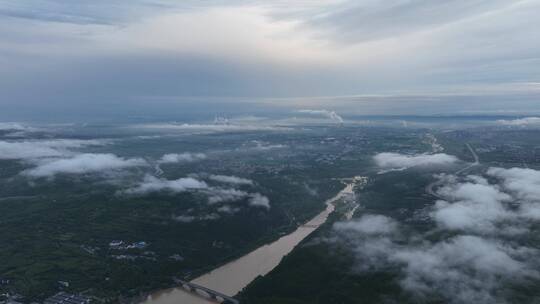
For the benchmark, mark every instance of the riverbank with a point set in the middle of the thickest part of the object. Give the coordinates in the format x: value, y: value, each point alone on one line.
x: 245, y: 269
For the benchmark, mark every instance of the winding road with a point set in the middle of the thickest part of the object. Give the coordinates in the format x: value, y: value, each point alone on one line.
x: 476, y: 160
x: 430, y: 187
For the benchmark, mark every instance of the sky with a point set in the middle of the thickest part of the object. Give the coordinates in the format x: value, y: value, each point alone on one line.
x: 77, y: 58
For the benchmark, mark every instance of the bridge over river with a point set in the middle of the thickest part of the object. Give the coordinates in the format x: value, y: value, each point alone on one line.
x: 212, y: 294
x: 228, y: 280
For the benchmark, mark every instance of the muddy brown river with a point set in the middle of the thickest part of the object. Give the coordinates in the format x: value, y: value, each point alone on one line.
x: 232, y: 277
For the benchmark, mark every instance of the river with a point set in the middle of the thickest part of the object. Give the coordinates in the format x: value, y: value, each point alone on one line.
x: 232, y: 277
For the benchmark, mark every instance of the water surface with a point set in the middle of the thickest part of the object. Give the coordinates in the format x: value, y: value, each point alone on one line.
x: 232, y: 277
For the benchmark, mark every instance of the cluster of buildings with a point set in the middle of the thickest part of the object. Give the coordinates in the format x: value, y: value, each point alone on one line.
x: 59, y: 298
x: 148, y: 255
x: 67, y: 298
x: 121, y: 245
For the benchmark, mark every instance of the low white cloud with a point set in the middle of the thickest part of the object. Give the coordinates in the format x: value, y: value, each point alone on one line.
x: 478, y: 249
x: 332, y: 115
x: 431, y: 140
x: 231, y: 179
x: 153, y: 184
x: 395, y: 160
x: 16, y: 130
x: 477, y: 206
x: 464, y: 269
x: 211, y: 127
x: 83, y: 163
x: 525, y: 183
x: 28, y: 150
x: 311, y: 191
x: 182, y: 157
x: 259, y: 200
x: 471, y: 207
x: 459, y: 269
x: 368, y: 224
x: 13, y: 126
x: 228, y: 209
x: 526, y: 121
x: 217, y: 195
x: 185, y: 218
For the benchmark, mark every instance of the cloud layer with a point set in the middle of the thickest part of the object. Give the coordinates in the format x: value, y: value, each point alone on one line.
x: 183, y: 157
x: 216, y: 195
x: 153, y: 184
x: 12, y: 126
x: 395, y: 160
x: 272, y: 49
x: 526, y: 121
x: 84, y: 163
x: 231, y: 179
x: 29, y: 150
x: 479, y: 249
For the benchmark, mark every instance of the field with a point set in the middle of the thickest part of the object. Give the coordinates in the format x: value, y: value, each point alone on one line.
x: 59, y: 228
x: 347, y: 275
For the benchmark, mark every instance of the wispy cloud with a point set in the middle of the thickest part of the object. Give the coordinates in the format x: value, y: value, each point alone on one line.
x: 259, y: 200
x: 182, y: 157
x: 397, y: 161
x: 84, y: 163
x: 231, y: 179
x: 523, y: 122
x: 13, y: 126
x: 216, y: 195
x: 153, y: 184
x: 35, y: 149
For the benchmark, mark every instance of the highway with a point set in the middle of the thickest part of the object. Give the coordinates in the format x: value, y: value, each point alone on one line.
x: 430, y: 187
x: 475, y: 163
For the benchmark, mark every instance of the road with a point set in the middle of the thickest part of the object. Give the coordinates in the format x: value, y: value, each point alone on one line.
x: 430, y: 187
x: 476, y: 160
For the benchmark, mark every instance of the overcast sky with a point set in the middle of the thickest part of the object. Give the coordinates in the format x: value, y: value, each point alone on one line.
x: 366, y: 55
